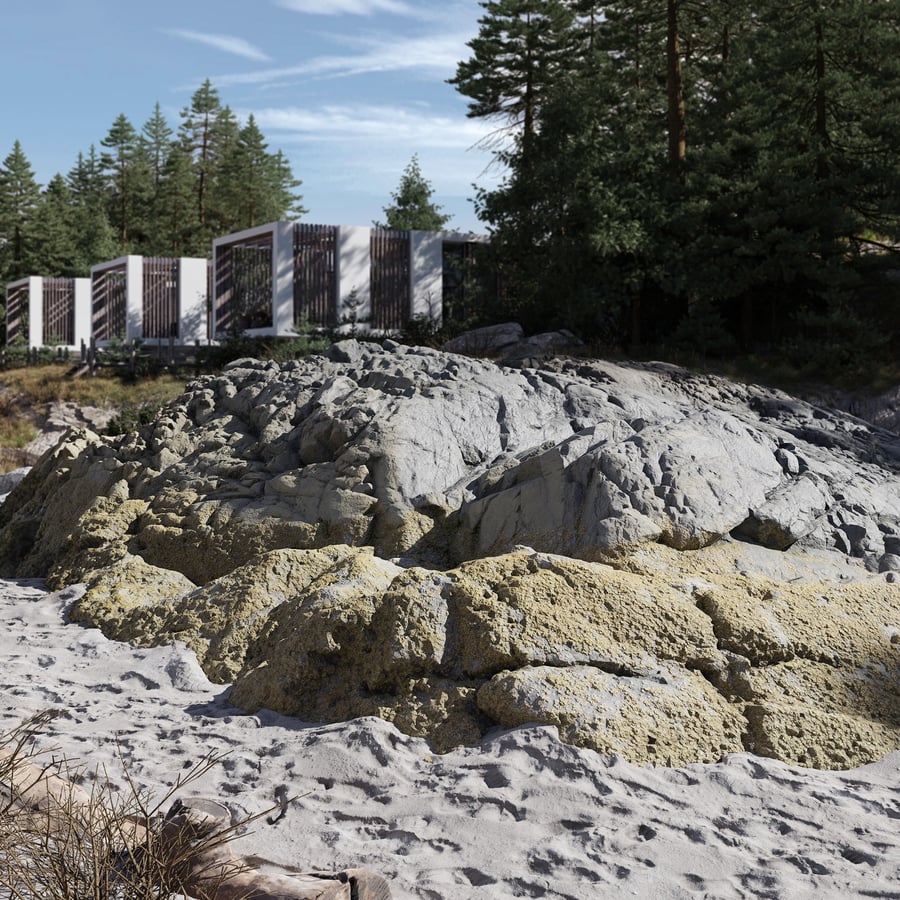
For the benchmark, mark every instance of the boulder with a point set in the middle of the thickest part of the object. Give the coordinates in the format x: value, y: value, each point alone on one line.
x: 672, y: 717
x: 666, y: 657
x: 455, y: 545
x: 491, y: 340
x: 444, y: 458
x: 540, y: 346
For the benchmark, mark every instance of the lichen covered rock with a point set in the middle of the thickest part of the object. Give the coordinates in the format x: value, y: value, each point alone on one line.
x: 454, y: 545
x: 672, y: 717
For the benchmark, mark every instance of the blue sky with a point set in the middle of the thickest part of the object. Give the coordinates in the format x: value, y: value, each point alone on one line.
x: 349, y: 90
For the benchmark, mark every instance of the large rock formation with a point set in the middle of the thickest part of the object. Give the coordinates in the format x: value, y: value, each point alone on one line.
x: 454, y: 545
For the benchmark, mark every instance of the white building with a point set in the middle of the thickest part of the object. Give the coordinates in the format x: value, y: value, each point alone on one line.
x: 45, y: 312
x: 151, y: 299
x: 269, y: 279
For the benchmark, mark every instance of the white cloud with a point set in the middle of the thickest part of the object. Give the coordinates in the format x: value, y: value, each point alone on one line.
x: 224, y: 42
x: 367, y: 123
x: 348, y: 7
x: 439, y: 54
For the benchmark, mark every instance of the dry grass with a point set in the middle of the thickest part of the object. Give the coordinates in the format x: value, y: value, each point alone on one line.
x: 26, y: 394
x: 59, y: 841
x: 40, y: 385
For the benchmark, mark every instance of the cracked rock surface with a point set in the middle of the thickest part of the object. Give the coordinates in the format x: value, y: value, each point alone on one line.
x: 665, y: 566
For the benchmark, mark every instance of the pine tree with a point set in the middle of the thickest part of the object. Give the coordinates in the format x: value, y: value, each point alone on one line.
x: 54, y: 250
x: 521, y: 48
x: 255, y: 186
x: 19, y: 198
x: 94, y: 236
x: 130, y: 176
x: 412, y: 207
x: 799, y: 171
x: 207, y: 132
x: 704, y: 156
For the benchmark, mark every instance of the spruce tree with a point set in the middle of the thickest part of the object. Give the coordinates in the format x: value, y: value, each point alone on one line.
x: 94, y: 235
x: 156, y: 145
x: 129, y: 183
x: 255, y: 186
x: 19, y: 198
x: 54, y: 251
x: 157, y: 138
x: 177, y: 221
x: 412, y: 207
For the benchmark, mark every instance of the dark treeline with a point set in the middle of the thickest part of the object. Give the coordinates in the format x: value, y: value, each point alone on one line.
x: 156, y: 191
x: 724, y: 172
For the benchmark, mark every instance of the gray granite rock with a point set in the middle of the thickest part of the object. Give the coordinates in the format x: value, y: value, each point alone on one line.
x: 343, y: 536
x: 442, y: 458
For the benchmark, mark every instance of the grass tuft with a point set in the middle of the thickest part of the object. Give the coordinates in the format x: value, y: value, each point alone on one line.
x: 61, y: 841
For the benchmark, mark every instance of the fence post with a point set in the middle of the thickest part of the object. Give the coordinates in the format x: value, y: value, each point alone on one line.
x: 92, y: 355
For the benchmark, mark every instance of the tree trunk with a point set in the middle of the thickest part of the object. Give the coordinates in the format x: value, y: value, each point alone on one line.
x: 821, y: 104
x: 675, y: 91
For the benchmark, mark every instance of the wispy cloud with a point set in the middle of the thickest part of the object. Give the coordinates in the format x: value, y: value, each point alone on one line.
x: 438, y: 54
x: 348, y: 7
x: 224, y: 42
x: 386, y: 124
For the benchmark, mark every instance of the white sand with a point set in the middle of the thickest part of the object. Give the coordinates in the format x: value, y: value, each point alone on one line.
x: 521, y: 816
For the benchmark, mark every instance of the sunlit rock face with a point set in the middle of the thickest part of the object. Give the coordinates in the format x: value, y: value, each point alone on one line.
x: 455, y: 545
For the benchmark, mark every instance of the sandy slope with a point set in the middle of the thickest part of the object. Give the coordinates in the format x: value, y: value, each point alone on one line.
x: 521, y: 816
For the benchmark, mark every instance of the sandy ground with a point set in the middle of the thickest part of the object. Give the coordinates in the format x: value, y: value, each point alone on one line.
x: 521, y: 816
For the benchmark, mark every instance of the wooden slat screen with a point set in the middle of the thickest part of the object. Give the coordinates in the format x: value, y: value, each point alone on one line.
x: 160, y: 300
x: 315, y: 248
x: 390, y: 308
x: 244, y: 289
x: 17, y: 314
x: 59, y: 311
x: 109, y: 304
